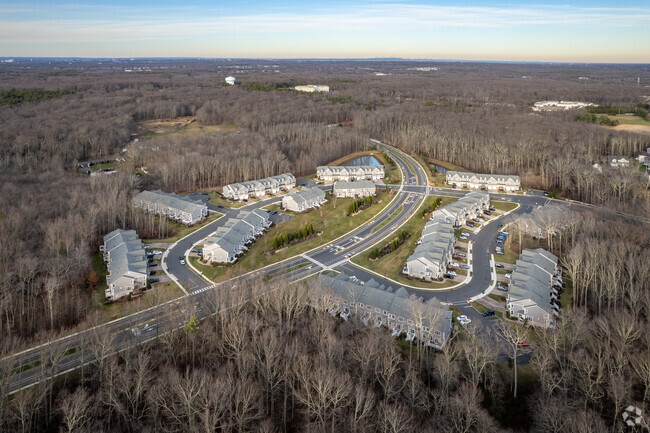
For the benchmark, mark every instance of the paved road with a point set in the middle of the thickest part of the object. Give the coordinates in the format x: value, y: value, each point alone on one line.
x: 36, y: 364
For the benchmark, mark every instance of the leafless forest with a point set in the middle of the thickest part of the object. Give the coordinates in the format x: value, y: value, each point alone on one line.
x: 276, y: 365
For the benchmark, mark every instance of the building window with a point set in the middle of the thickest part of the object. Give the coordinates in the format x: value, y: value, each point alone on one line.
x: 391, y: 316
x: 377, y: 310
x: 401, y: 319
x: 385, y: 312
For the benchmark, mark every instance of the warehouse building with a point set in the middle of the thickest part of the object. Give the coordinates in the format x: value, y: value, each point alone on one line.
x: 313, y: 88
x: 126, y: 261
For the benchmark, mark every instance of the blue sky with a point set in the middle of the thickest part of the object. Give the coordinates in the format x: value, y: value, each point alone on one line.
x: 576, y: 31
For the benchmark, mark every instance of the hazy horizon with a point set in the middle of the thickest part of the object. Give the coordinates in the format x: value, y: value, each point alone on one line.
x: 549, y: 32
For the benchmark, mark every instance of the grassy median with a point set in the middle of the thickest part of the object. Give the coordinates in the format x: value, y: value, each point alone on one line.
x: 391, y: 264
x: 331, y: 221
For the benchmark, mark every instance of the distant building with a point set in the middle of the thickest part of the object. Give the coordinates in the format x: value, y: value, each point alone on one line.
x: 490, y: 182
x: 618, y: 161
x: 126, y: 261
x: 171, y: 206
x: 375, y: 304
x: 354, y: 172
x: 230, y: 80
x: 259, y: 188
x: 560, y: 105
x: 471, y: 205
x: 306, y: 198
x: 311, y: 88
x: 534, y: 286
x: 359, y: 188
x: 232, y: 239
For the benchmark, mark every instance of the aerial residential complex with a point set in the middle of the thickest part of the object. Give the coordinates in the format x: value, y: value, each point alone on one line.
x: 490, y: 182
x: 353, y: 172
x: 171, y: 206
x: 306, y: 198
x: 126, y: 261
x: 259, y: 188
x: 376, y: 304
x: 359, y: 188
x: 436, y: 246
x: 231, y: 240
x: 534, y: 286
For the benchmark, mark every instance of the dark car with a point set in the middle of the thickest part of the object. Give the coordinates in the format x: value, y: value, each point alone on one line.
x: 487, y: 212
x: 470, y: 224
x: 545, y: 193
x: 488, y: 313
x: 500, y: 225
x: 498, y: 265
x: 492, y: 209
x: 153, y: 280
x: 449, y: 276
x: 220, y: 207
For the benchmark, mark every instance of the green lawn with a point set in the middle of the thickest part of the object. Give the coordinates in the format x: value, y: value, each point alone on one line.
x: 497, y: 297
x: 331, y: 219
x: 182, y: 230
x: 391, y: 264
x: 630, y: 120
x: 503, y: 206
x: 97, y: 167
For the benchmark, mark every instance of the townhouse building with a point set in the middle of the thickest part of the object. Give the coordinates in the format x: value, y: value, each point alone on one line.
x: 331, y: 173
x: 305, y: 199
x: 533, y: 293
x: 171, y: 206
x: 359, y: 188
x: 260, y: 187
x: 126, y: 261
x: 379, y: 305
x: 232, y: 239
x: 490, y: 182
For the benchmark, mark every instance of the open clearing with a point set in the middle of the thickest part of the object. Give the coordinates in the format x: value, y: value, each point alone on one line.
x: 640, y: 129
x: 178, y: 125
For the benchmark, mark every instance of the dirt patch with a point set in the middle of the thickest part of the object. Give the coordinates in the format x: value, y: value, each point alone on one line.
x: 163, y: 126
x: 640, y: 129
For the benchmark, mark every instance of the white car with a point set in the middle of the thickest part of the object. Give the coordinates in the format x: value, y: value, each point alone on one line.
x: 463, y: 319
x: 452, y: 273
x: 454, y: 265
x: 507, y: 275
x: 182, y: 261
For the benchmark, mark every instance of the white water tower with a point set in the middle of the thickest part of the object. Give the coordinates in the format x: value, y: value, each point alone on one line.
x: 230, y: 80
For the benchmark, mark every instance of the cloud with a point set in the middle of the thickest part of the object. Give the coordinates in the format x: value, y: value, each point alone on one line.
x: 93, y: 24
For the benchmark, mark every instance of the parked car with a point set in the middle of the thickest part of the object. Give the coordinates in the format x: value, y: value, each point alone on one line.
x: 492, y: 209
x: 453, y: 185
x: 488, y: 313
x: 469, y: 224
x: 505, y: 233
x: 452, y: 273
x: 463, y: 238
x: 502, y: 287
x: 523, y: 343
x: 146, y: 246
x: 500, y: 241
x: 461, y: 254
x: 545, y: 193
x: 182, y: 261
x: 454, y: 264
x: 463, y: 319
x: 476, y: 220
x: 156, y: 252
x: 464, y: 266
x: 448, y: 275
x: 465, y: 234
x: 149, y: 255
x: 507, y: 275
x: 153, y: 280
x: 500, y: 225
x: 487, y: 212
x: 498, y: 265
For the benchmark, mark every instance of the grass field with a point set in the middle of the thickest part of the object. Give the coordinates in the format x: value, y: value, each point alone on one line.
x: 331, y: 219
x: 630, y: 120
x: 503, y: 206
x: 391, y: 264
x: 182, y: 230
x: 152, y: 129
x: 97, y: 167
